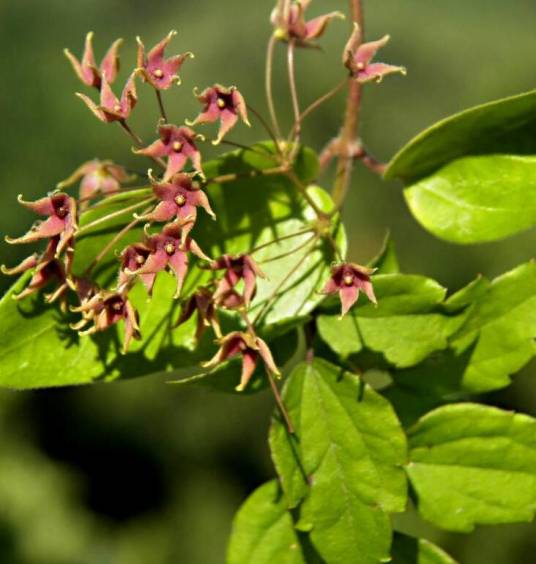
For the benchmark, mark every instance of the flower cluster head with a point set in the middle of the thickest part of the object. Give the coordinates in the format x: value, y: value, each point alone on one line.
x: 87, y: 69
x: 105, y: 309
x: 236, y: 268
x: 178, y: 200
x: 221, y: 104
x: 61, y: 221
x: 357, y: 58
x: 290, y: 24
x: 160, y: 72
x: 97, y: 178
x: 250, y: 347
x: 176, y: 144
x: 348, y: 279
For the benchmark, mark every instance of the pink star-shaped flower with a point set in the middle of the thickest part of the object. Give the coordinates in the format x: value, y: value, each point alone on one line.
x: 357, y: 58
x: 292, y: 25
x: 224, y: 104
x: 348, y: 280
x: 98, y: 178
x: 178, y: 145
x: 241, y: 267
x: 62, y: 221
x: 110, y: 107
x: 132, y: 259
x: 168, y: 250
x: 46, y: 268
x: 201, y: 302
x: 105, y: 309
x: 250, y: 347
x: 160, y: 72
x: 87, y: 69
x: 179, y: 200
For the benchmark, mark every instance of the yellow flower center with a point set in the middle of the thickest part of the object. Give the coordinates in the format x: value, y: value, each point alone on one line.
x: 180, y: 200
x: 177, y: 146
x: 158, y: 73
x: 348, y: 279
x: 220, y: 103
x: 169, y: 248
x: 140, y: 259
x: 117, y: 108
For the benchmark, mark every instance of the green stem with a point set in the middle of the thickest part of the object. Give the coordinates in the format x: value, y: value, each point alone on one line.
x: 268, y: 86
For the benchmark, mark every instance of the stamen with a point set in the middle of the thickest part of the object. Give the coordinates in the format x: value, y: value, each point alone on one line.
x: 177, y: 146
x: 117, y: 108
x: 169, y: 248
x: 140, y: 259
x: 180, y: 200
x: 158, y: 73
x: 221, y: 103
x: 361, y: 66
x: 62, y: 212
x: 348, y: 279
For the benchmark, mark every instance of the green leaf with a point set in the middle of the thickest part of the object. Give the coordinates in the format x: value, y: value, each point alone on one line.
x: 477, y: 199
x: 409, y: 550
x: 349, y: 446
x: 405, y: 327
x: 263, y: 531
x: 505, y: 126
x: 499, y: 333
x: 39, y: 349
x: 472, y: 464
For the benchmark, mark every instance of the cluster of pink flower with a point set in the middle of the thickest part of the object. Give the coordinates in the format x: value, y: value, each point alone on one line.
x: 176, y: 195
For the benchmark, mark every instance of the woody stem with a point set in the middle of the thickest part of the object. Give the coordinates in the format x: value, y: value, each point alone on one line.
x: 349, y: 129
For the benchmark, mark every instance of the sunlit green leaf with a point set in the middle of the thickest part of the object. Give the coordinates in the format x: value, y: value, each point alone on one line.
x: 349, y: 447
x: 472, y: 464
x: 477, y: 199
x: 506, y: 126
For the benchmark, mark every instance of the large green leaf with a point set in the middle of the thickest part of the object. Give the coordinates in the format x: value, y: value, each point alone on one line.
x: 472, y: 464
x: 409, y: 550
x: 406, y: 326
x: 39, y: 349
x: 348, y: 451
x: 477, y: 199
x: 263, y: 530
x: 506, y: 126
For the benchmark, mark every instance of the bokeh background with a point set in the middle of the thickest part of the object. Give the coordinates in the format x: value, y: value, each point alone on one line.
x: 138, y: 472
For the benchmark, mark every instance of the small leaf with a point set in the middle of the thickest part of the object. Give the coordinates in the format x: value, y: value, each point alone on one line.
x: 477, y: 199
x: 350, y: 448
x: 472, y: 464
x: 409, y: 550
x: 505, y: 126
x: 263, y: 531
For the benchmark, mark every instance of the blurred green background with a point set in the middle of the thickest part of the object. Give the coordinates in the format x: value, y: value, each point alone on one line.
x: 142, y: 473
